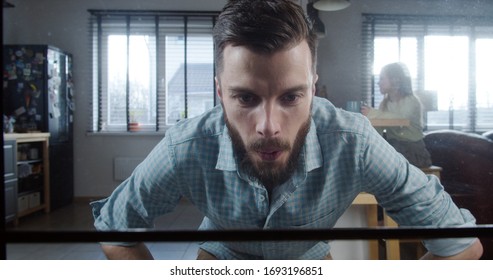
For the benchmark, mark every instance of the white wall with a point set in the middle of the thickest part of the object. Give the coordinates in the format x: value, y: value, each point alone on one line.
x: 64, y: 23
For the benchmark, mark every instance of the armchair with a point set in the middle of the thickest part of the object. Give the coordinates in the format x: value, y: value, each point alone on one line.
x: 467, y: 175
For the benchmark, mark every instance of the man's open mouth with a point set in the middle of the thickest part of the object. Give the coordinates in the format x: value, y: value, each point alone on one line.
x: 268, y: 155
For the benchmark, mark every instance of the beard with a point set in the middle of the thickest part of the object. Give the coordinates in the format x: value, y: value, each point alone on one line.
x: 270, y: 174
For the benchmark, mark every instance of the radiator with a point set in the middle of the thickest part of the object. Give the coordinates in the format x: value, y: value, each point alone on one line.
x: 124, y: 166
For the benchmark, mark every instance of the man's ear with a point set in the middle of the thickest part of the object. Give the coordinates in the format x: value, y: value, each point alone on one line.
x: 314, y: 84
x: 218, y: 88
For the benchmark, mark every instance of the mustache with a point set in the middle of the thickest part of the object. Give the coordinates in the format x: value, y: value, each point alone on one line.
x: 269, y: 144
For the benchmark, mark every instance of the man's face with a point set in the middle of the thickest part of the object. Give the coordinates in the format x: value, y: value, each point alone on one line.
x: 267, y: 102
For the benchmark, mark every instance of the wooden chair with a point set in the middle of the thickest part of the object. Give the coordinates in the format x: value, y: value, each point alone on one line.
x: 467, y: 161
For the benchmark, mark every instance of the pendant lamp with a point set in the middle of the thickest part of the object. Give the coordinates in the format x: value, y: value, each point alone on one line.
x: 331, y: 5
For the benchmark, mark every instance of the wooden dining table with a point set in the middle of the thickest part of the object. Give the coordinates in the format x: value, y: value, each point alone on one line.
x: 389, y: 122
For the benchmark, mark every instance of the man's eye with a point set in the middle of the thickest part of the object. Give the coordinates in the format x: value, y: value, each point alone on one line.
x: 290, y: 98
x: 246, y: 99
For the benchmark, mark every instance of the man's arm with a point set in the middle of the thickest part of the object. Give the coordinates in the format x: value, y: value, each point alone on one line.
x: 137, y: 252
x: 472, y: 252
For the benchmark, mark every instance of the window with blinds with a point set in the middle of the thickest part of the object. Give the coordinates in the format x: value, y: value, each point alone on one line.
x: 150, y: 69
x: 450, y: 60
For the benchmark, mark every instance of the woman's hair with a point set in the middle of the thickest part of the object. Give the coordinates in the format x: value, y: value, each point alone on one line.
x: 399, y: 76
x: 262, y: 26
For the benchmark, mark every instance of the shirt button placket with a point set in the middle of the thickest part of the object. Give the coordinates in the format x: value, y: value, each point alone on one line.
x: 264, y: 208
x: 262, y: 201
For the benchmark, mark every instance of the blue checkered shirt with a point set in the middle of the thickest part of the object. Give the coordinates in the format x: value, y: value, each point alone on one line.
x: 343, y: 155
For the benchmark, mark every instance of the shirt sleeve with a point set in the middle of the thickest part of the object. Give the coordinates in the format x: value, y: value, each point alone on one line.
x: 149, y: 192
x: 411, y: 197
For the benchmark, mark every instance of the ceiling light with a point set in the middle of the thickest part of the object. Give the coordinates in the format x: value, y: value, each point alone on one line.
x: 331, y: 5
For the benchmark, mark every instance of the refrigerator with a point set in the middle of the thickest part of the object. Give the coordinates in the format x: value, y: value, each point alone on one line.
x: 38, y: 97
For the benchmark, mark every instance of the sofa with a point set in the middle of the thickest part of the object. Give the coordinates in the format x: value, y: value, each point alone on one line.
x: 467, y: 175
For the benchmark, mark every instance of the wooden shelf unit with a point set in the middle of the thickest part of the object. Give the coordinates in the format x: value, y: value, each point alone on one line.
x: 40, y: 140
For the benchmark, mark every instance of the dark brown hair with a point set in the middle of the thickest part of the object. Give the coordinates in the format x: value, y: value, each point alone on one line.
x: 399, y: 76
x: 263, y: 26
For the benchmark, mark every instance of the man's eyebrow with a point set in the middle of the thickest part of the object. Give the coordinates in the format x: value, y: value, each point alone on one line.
x: 297, y: 88
x: 236, y: 90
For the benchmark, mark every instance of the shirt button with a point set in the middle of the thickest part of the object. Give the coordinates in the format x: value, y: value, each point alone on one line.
x: 261, y: 198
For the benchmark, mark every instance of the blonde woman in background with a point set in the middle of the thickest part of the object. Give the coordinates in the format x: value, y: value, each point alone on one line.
x: 400, y: 103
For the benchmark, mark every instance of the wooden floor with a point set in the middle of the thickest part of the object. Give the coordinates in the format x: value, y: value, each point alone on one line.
x: 77, y: 216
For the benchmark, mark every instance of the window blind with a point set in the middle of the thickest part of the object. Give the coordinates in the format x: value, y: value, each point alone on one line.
x: 150, y: 68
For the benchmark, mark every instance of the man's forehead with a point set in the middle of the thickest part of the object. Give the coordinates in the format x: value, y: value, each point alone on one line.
x: 298, y: 56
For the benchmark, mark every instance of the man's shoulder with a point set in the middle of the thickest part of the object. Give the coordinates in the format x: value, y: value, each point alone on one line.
x: 330, y: 119
x: 207, y: 125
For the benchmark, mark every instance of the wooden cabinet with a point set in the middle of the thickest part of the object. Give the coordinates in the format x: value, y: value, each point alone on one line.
x: 30, y: 172
x: 10, y: 179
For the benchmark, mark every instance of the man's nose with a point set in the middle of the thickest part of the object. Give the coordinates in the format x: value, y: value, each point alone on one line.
x: 269, y: 121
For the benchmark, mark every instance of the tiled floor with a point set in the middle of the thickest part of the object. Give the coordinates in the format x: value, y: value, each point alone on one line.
x: 78, y: 217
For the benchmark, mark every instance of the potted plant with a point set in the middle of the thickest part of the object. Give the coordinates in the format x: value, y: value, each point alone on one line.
x: 134, y: 124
